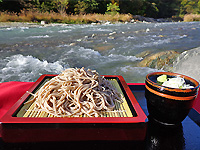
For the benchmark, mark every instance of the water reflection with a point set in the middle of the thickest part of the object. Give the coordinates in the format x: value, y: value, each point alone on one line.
x: 164, y: 137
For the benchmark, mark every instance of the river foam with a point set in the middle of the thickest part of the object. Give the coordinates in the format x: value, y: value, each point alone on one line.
x: 38, y: 36
x: 27, y: 68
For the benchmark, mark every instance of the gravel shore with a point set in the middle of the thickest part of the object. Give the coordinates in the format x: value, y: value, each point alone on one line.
x: 26, y: 24
x: 17, y: 24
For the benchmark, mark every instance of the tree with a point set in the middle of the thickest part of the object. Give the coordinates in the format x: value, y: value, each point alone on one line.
x: 85, y: 6
x: 135, y: 7
x: 167, y: 8
x: 190, y: 6
x: 150, y: 9
x: 10, y: 6
x: 199, y: 5
x: 112, y: 8
x: 47, y: 6
x: 62, y: 5
x: 81, y: 7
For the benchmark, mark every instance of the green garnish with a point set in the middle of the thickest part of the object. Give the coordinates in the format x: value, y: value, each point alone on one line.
x: 173, y: 82
x: 162, y: 78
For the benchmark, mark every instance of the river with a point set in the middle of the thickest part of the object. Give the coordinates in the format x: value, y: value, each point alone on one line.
x: 27, y: 52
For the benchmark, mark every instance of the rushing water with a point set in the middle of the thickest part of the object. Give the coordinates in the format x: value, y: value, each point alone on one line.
x: 28, y: 52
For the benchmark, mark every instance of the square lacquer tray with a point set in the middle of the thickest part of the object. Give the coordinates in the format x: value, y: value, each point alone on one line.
x: 126, y: 122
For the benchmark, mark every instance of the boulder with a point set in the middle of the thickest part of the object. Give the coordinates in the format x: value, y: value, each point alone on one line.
x: 188, y: 63
x: 161, y: 60
x: 43, y: 22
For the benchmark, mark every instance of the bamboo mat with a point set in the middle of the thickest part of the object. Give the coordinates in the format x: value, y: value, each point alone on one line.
x: 120, y: 110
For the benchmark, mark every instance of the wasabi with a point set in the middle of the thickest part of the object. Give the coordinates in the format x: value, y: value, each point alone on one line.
x: 162, y: 78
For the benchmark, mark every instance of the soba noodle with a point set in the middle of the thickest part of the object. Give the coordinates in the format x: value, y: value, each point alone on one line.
x: 76, y: 92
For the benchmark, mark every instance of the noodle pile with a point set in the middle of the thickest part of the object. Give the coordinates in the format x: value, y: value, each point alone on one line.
x: 76, y: 92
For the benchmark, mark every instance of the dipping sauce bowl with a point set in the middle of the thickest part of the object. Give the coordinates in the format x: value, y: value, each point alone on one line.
x: 167, y: 105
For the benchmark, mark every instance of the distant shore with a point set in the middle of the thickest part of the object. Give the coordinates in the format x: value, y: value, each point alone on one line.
x: 95, y: 19
x: 25, y: 24
x: 37, y: 18
x: 135, y: 19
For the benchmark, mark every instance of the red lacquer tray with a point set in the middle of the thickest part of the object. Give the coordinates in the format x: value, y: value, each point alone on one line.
x: 21, y: 129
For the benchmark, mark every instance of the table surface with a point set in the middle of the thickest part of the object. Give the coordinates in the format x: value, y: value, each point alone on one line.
x: 186, y: 136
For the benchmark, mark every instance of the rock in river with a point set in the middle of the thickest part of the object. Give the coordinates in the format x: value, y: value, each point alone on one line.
x: 161, y: 60
x: 188, y: 63
x: 104, y: 47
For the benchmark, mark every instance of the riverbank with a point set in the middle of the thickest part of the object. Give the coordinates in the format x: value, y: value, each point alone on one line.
x: 134, y: 19
x: 52, y: 17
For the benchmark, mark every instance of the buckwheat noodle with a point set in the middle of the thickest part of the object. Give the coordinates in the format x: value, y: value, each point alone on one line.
x: 76, y: 92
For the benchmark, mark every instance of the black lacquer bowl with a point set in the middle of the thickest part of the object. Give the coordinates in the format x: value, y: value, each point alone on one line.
x: 169, y: 106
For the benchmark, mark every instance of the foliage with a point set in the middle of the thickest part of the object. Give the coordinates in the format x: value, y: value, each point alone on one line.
x: 147, y: 8
x: 151, y: 9
x: 190, y: 6
x: 112, y: 8
x: 81, y: 7
x: 61, y: 5
x: 135, y: 7
x: 46, y: 5
x: 85, y: 6
x: 167, y: 8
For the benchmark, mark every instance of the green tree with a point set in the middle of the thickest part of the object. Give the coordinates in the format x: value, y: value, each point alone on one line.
x: 81, y: 7
x: 61, y: 5
x: 149, y: 9
x: 47, y: 6
x: 190, y: 6
x: 135, y: 7
x: 167, y: 8
x: 112, y: 8
x: 199, y: 5
x: 85, y: 6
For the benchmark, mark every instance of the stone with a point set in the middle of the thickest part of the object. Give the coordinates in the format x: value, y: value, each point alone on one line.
x: 72, y: 44
x: 161, y: 60
x: 188, y: 63
x: 112, y: 33
x: 103, y: 47
x: 107, y: 23
x: 43, y: 22
x: 111, y: 37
